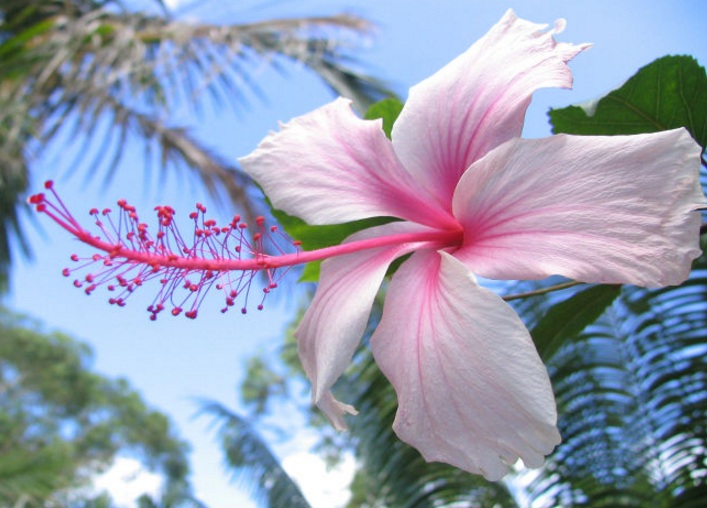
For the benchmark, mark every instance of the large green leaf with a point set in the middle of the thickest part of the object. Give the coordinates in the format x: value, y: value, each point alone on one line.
x: 668, y: 93
x: 569, y: 317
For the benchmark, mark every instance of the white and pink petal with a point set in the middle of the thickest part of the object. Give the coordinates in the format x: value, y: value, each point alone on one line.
x: 618, y: 209
x: 335, y: 321
x: 330, y: 166
x: 472, y: 390
x: 478, y: 101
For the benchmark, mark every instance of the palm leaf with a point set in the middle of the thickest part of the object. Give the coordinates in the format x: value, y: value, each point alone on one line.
x: 632, y: 395
x: 248, y: 457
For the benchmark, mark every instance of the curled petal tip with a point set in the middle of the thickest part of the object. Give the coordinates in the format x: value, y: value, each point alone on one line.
x: 334, y: 410
x: 560, y: 26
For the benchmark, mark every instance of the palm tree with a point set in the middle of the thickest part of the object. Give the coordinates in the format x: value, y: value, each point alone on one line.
x: 111, y: 73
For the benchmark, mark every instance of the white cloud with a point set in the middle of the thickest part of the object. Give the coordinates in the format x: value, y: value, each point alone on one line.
x: 323, y: 488
x: 126, y: 481
x: 173, y: 4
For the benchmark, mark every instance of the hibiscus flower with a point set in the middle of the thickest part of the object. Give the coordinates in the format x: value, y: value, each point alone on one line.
x: 472, y: 197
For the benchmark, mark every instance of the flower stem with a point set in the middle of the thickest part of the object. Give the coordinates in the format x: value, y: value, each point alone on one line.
x: 542, y: 291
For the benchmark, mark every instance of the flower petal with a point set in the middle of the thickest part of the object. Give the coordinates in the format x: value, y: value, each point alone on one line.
x: 617, y: 209
x: 330, y: 166
x: 478, y: 101
x: 333, y: 325
x: 471, y: 388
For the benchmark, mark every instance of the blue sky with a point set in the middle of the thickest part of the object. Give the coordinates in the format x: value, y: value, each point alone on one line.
x: 174, y: 360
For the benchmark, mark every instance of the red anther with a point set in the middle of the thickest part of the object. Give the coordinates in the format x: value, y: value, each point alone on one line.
x: 297, y: 243
x: 153, y: 317
x: 48, y: 184
x: 41, y: 207
x: 96, y: 257
x: 93, y: 211
x: 90, y: 289
x: 66, y: 272
x: 105, y: 211
x: 193, y: 215
x: 272, y: 285
x: 35, y: 199
x: 260, y: 220
x: 260, y: 307
x: 77, y: 283
x: 201, y: 208
x: 111, y: 301
x: 230, y: 302
x: 110, y: 287
x: 243, y: 225
x: 74, y: 257
x: 257, y: 236
x: 191, y: 314
x: 244, y: 310
x: 176, y: 311
x: 89, y: 278
x: 122, y: 203
x: 209, y: 223
x: 273, y: 229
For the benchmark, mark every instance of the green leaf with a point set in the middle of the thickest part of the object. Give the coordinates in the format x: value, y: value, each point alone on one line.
x: 668, y: 93
x: 388, y: 110
x: 318, y: 237
x: 569, y: 317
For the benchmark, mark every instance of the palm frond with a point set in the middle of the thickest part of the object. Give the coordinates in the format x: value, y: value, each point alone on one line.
x: 248, y: 457
x: 632, y: 395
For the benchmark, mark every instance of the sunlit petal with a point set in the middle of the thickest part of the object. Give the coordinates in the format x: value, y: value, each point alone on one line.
x: 330, y: 166
x: 471, y: 388
x: 617, y: 209
x: 334, y: 323
x: 478, y: 101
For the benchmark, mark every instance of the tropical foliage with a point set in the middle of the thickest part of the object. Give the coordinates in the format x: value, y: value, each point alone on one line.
x: 61, y: 423
x: 249, y: 458
x: 627, y: 364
